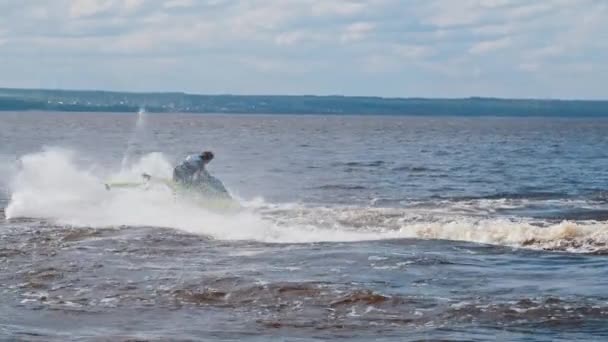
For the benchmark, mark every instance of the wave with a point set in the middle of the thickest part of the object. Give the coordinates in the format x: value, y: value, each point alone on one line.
x: 389, y: 223
x: 52, y: 186
x: 375, y: 163
x: 411, y: 168
x: 300, y: 304
x: 341, y: 187
x: 541, y: 195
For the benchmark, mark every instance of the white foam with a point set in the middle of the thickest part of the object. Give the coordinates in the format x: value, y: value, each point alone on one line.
x: 566, y: 235
x: 386, y: 223
x: 51, y: 185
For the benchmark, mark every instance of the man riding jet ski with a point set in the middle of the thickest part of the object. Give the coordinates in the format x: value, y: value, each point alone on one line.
x: 192, y: 174
x: 190, y: 180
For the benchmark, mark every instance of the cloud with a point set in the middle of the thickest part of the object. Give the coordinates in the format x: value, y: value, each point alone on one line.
x: 493, y: 30
x: 356, y: 32
x: 359, y: 47
x: 452, y: 14
x: 486, y: 46
x: 340, y: 8
x: 300, y: 37
x: 412, y: 51
x: 84, y: 8
x: 530, y: 9
x: 178, y: 4
x: 529, y: 66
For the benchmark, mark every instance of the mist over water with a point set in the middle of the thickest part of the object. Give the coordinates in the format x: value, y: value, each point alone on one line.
x: 434, y: 228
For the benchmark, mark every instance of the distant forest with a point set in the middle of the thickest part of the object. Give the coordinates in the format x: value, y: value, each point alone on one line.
x: 106, y: 101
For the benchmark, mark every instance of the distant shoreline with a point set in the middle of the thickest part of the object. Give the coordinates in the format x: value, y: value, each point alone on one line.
x: 172, y: 102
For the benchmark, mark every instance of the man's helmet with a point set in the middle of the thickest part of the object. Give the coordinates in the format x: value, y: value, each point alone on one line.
x: 207, y: 156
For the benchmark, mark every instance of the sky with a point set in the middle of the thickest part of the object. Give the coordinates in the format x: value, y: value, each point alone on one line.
x: 390, y: 48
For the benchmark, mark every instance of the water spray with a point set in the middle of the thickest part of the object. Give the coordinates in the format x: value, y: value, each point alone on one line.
x: 137, y: 131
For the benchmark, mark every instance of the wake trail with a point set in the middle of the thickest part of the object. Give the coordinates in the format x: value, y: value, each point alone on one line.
x: 50, y: 185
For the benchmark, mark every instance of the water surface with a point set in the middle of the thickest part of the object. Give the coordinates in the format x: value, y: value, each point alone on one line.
x: 358, y: 227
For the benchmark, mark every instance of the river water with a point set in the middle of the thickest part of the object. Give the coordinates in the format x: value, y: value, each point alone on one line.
x: 358, y: 227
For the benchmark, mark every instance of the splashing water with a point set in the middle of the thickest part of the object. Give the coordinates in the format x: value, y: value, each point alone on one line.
x: 52, y: 186
x: 135, y: 136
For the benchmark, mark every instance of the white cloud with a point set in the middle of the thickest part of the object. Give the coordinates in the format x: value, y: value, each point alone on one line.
x: 486, y: 46
x: 341, y: 8
x: 79, y: 9
x: 132, y: 5
x: 493, y: 29
x: 38, y: 13
x: 412, y: 51
x: 272, y: 65
x: 356, y: 31
x: 397, y: 57
x: 250, y: 19
x: 529, y: 66
x: 297, y: 37
x: 379, y: 63
x: 85, y: 8
x: 448, y: 41
x: 453, y: 13
x: 178, y: 3
x: 545, y: 51
x: 530, y: 9
x: 494, y: 3
x: 289, y: 38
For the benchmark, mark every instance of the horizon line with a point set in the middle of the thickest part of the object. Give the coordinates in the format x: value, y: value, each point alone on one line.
x: 471, y: 97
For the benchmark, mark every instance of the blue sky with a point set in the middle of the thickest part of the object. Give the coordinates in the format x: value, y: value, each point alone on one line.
x: 396, y: 48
